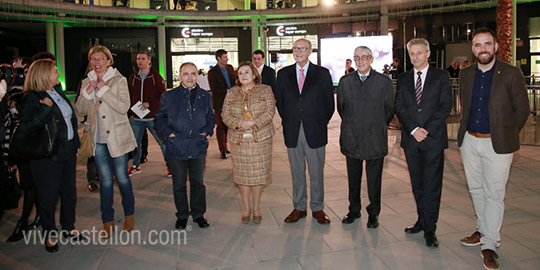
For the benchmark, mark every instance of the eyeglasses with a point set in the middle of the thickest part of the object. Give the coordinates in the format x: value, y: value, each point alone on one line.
x: 299, y: 49
x: 363, y: 57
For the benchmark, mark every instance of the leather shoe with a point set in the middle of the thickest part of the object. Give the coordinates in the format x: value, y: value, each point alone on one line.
x: 74, y: 237
x: 431, y: 239
x: 181, y: 223
x: 295, y: 215
x: 223, y: 156
x: 52, y: 249
x: 93, y: 187
x: 202, y: 222
x: 416, y: 228
x: 321, y: 217
x: 350, y: 217
x: 373, y: 221
x: 227, y: 152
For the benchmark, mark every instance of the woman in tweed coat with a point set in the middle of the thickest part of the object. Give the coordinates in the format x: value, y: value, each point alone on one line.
x: 248, y: 111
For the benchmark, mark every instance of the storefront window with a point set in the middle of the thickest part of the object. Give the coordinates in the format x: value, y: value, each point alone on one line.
x: 204, y: 44
x: 277, y: 43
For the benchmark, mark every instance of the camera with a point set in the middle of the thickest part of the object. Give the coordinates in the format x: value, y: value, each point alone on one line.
x: 12, y: 76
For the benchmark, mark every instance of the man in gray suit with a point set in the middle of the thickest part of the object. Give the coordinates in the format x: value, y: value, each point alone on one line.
x: 495, y: 108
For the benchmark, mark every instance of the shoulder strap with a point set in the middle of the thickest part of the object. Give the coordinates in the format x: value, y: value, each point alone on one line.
x: 93, y: 117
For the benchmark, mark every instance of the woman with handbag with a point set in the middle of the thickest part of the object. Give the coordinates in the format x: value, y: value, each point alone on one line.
x: 105, y: 100
x: 248, y: 111
x: 45, y: 106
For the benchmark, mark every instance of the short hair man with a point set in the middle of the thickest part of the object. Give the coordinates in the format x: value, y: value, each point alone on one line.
x: 146, y: 86
x: 348, y: 67
x: 221, y: 78
x: 423, y: 102
x: 495, y: 108
x: 267, y: 73
x: 182, y: 110
x: 305, y: 101
x: 365, y: 102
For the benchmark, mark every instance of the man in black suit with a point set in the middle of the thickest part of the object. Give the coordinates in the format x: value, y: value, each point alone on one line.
x: 305, y: 101
x: 221, y: 78
x: 423, y: 102
x: 267, y: 73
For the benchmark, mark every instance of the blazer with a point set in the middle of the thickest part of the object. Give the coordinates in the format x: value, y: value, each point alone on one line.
x: 115, y: 103
x: 218, y: 85
x: 269, y: 76
x: 313, y: 108
x: 508, y: 105
x: 435, y: 106
x: 262, y: 107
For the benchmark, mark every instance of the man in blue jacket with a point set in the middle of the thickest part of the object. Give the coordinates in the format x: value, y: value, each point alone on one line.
x: 186, y: 118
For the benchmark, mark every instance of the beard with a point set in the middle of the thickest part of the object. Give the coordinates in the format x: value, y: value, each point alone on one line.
x: 485, y: 61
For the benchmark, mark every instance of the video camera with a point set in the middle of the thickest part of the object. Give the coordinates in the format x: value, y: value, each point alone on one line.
x: 12, y: 76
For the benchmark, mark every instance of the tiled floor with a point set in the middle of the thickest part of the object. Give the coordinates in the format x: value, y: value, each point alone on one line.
x: 228, y: 244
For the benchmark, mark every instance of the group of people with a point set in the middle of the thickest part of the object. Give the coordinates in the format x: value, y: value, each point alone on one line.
x: 242, y: 104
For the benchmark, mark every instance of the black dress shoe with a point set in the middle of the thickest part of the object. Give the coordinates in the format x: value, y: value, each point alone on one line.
x: 350, y: 217
x: 19, y: 231
x: 227, y: 152
x: 431, y: 239
x: 181, y: 223
x: 416, y: 228
x: 202, y: 222
x: 74, y: 237
x: 223, y: 156
x: 52, y: 249
x: 93, y: 187
x: 373, y: 221
x: 36, y: 223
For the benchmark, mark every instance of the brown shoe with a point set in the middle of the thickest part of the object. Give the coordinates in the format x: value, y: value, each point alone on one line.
x: 321, y: 217
x: 129, y: 223
x: 473, y: 240
x: 107, y: 229
x: 295, y: 215
x: 490, y: 259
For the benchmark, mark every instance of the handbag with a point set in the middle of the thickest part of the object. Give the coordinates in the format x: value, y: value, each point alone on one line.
x: 40, y: 144
x: 86, y: 149
x: 11, y: 190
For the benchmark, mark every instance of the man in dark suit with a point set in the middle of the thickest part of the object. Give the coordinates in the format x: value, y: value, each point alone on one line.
x: 221, y: 78
x: 495, y: 108
x: 305, y: 101
x: 423, y: 102
x: 267, y: 73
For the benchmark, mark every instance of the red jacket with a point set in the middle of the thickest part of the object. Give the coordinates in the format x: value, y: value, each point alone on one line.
x: 151, y: 90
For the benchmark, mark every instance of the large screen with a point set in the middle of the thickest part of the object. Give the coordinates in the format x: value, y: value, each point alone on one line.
x: 334, y: 52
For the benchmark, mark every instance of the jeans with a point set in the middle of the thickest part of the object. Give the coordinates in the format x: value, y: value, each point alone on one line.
x: 107, y: 166
x: 138, y: 126
x: 180, y: 171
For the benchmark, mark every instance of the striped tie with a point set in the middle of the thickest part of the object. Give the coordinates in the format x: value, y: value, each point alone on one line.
x: 418, y: 87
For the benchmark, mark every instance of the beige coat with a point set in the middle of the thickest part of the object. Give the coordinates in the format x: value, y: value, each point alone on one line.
x: 113, y: 110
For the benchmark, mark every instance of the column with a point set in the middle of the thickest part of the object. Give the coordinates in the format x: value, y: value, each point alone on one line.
x: 162, y: 55
x: 60, y: 53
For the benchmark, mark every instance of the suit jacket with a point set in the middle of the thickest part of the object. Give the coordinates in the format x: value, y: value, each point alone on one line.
x: 269, y: 76
x: 435, y: 106
x: 218, y: 85
x: 508, y: 105
x: 313, y: 108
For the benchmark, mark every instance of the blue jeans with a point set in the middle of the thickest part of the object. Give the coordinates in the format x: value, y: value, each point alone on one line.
x: 107, y: 166
x: 138, y: 126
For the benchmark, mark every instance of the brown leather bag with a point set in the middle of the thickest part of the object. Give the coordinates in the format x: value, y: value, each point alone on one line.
x: 86, y: 149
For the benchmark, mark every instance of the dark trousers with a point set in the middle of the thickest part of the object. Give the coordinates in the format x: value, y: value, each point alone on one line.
x: 426, y: 170
x: 221, y: 133
x: 91, y: 171
x: 53, y: 179
x: 29, y: 190
x: 374, y: 179
x: 180, y: 171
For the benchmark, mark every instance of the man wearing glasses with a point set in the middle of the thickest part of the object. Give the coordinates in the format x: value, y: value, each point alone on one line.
x: 365, y: 102
x: 305, y: 101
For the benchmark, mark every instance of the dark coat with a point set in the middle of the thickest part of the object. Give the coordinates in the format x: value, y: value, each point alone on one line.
x: 366, y: 108
x: 269, y: 76
x: 218, y: 85
x: 176, y: 115
x: 508, y: 105
x: 313, y: 108
x: 431, y: 113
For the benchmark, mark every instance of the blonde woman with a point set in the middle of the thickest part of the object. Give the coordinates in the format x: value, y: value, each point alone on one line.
x: 248, y: 111
x: 112, y: 136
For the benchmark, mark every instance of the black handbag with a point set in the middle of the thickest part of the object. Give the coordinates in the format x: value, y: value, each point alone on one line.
x: 40, y: 144
x: 11, y: 190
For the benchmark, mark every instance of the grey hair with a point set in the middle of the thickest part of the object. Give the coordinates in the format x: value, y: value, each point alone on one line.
x: 365, y: 48
x: 416, y: 41
x: 303, y: 39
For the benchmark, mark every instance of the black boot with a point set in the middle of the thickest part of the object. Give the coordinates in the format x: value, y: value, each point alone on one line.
x: 18, y: 232
x: 36, y: 223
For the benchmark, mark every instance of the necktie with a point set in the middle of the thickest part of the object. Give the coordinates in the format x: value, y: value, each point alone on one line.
x: 418, y: 87
x: 301, y: 80
x: 363, y: 78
